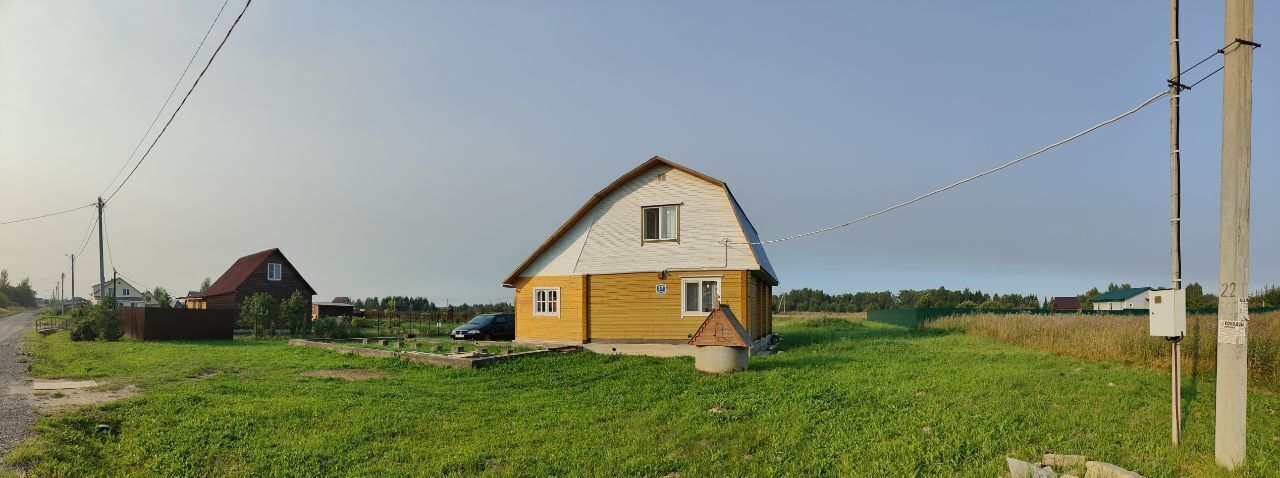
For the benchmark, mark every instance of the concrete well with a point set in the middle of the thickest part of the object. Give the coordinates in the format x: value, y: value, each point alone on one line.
x: 720, y: 359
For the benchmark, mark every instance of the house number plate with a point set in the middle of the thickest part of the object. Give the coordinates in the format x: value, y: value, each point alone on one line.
x: 661, y: 289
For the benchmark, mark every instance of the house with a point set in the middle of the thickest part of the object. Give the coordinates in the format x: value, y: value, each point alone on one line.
x: 645, y: 261
x: 339, y: 307
x: 1122, y: 299
x: 126, y: 294
x: 268, y: 271
x: 1065, y: 303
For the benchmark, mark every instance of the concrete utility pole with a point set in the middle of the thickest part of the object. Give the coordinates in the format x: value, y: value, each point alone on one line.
x: 102, y: 264
x: 1175, y: 209
x: 1233, y: 236
x: 73, y: 277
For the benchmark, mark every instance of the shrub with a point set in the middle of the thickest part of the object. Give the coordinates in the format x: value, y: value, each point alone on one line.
x: 82, y: 329
x: 968, y: 304
x: 259, y: 311
x: 332, y: 327
x: 991, y: 304
x: 106, y: 320
x: 361, y: 322
x: 293, y: 312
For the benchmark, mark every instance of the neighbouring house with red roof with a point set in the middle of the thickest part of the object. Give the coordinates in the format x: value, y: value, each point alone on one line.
x: 1064, y: 303
x: 267, y: 271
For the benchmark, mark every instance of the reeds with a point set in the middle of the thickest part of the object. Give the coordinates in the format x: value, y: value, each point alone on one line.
x: 1124, y: 339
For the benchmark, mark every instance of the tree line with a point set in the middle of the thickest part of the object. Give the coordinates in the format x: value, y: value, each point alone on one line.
x: 816, y: 300
x: 399, y: 303
x: 21, y: 294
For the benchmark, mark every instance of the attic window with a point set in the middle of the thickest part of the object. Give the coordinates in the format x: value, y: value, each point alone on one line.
x: 660, y: 223
x: 274, y: 271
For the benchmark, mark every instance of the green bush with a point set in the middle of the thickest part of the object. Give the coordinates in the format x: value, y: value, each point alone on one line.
x: 293, y: 312
x: 82, y: 329
x: 332, y: 327
x: 106, y: 320
x: 361, y: 322
x: 260, y: 311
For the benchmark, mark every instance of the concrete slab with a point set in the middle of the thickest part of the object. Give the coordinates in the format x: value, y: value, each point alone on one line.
x: 651, y: 350
x: 62, y: 384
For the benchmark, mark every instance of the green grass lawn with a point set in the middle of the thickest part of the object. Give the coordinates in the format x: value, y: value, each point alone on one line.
x: 842, y: 399
x: 428, y: 345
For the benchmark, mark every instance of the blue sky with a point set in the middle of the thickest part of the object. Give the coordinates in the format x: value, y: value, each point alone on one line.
x: 425, y: 148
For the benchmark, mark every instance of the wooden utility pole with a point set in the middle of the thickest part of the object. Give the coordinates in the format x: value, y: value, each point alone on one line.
x: 1175, y: 210
x: 1233, y: 236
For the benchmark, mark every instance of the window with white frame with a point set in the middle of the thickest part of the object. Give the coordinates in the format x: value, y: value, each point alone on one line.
x: 660, y: 223
x: 274, y: 270
x: 700, y: 295
x: 546, y: 301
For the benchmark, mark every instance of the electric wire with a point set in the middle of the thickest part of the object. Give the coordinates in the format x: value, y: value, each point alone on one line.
x: 921, y: 197
x: 15, y: 221
x: 167, y: 99
x: 183, y: 102
x: 1193, y: 85
x: 88, y: 233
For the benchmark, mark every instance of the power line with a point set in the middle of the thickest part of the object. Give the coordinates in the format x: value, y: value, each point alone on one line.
x: 134, y: 282
x: 183, y: 102
x: 47, y: 215
x: 1193, y: 85
x: 976, y: 176
x: 88, y: 234
x: 167, y: 99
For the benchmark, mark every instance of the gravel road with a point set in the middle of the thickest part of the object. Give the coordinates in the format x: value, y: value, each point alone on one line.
x: 16, y: 416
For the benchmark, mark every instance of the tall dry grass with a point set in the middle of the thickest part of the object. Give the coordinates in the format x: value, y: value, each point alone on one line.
x: 810, y: 316
x: 1124, y: 339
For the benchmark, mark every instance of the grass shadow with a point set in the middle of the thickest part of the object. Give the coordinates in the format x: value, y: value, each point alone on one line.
x: 799, y: 337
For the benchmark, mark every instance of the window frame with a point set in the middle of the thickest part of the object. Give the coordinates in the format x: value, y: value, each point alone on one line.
x: 674, y: 237
x: 684, y: 300
x: 557, y: 302
x: 279, y: 268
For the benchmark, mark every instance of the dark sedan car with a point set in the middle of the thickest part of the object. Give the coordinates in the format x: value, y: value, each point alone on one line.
x: 498, y: 326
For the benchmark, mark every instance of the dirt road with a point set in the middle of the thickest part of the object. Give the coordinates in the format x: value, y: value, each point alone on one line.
x: 16, y: 416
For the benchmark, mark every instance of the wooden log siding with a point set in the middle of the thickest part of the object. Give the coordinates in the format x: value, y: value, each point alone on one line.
x: 626, y: 307
x: 568, y: 326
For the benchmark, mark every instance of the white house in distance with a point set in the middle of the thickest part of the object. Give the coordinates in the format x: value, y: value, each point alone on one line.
x: 1123, y: 299
x: 125, y: 293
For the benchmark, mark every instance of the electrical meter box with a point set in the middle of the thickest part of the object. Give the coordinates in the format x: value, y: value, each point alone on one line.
x: 1168, y: 312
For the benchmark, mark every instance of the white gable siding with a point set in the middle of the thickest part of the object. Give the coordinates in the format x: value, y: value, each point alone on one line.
x: 607, y: 239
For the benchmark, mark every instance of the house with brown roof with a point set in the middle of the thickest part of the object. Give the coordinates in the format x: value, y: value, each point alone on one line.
x: 267, y: 271
x: 644, y: 261
x: 1064, y: 303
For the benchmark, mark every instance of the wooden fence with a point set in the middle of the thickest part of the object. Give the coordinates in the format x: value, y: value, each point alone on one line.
x: 152, y: 323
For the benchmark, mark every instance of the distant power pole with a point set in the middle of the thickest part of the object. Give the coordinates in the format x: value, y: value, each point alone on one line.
x: 102, y: 264
x: 1233, y: 237
x: 73, y: 276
